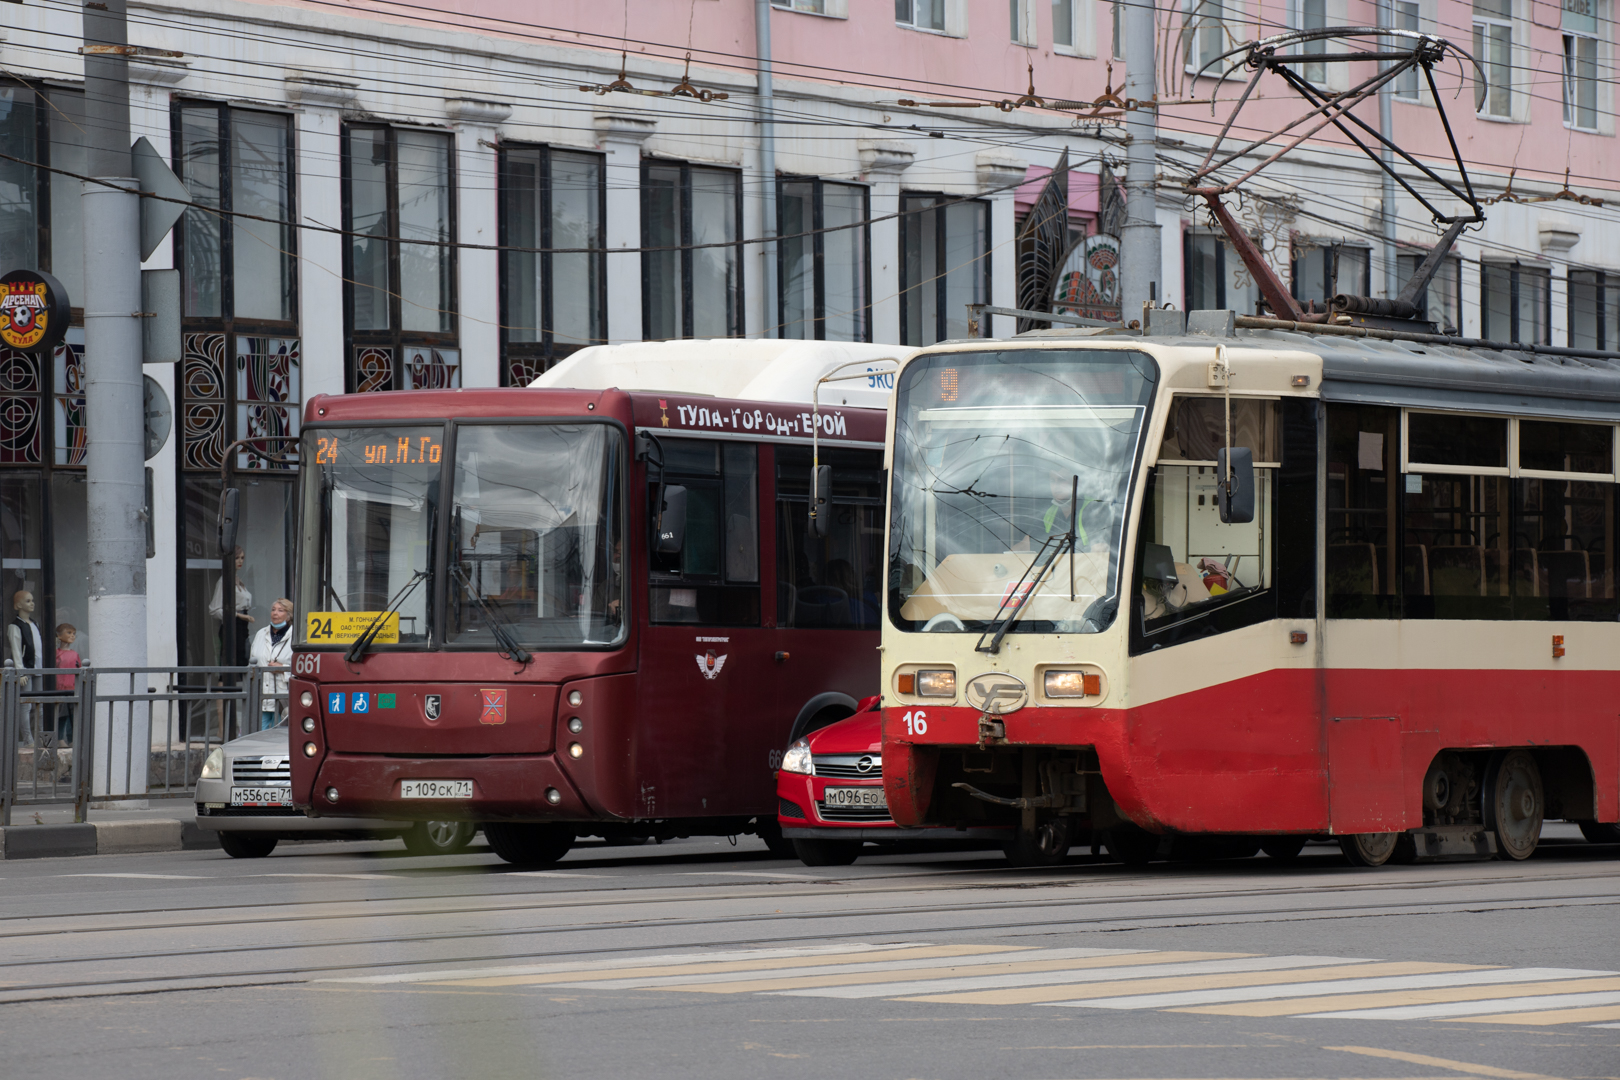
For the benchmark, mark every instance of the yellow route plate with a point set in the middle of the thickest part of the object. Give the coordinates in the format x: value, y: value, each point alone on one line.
x: 344, y: 627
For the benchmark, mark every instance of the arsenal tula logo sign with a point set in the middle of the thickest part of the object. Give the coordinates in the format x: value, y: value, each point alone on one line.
x: 33, y: 311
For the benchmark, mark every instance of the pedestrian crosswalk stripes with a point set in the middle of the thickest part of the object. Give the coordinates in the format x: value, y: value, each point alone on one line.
x: 1207, y: 983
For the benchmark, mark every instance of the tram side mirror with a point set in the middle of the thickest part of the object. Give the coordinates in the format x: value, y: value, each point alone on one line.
x: 1235, y: 496
x: 672, y: 520
x: 228, y: 504
x: 820, y: 511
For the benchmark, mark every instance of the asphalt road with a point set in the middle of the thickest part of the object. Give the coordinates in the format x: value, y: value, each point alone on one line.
x: 700, y: 959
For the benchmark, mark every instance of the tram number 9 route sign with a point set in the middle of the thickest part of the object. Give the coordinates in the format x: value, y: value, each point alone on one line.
x: 33, y: 311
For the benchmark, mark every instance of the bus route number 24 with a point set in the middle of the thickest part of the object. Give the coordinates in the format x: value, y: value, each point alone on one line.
x: 916, y: 722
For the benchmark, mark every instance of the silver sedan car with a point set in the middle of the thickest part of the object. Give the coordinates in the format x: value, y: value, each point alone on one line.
x: 245, y: 795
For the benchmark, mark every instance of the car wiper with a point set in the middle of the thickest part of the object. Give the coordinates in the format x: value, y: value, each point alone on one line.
x: 363, y: 642
x: 497, y: 625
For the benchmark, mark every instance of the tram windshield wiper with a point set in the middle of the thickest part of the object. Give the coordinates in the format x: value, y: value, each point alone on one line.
x: 1017, y: 596
x: 497, y: 625
x: 363, y: 642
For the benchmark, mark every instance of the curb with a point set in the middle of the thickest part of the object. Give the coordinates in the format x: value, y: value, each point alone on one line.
x: 103, y: 838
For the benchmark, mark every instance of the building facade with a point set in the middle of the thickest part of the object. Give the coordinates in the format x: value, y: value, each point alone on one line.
x: 391, y: 197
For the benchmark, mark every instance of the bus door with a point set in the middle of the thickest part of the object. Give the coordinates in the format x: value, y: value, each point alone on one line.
x: 707, y: 665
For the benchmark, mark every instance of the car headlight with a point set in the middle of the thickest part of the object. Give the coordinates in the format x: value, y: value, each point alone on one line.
x: 798, y: 759
x: 214, y: 764
x: 938, y: 682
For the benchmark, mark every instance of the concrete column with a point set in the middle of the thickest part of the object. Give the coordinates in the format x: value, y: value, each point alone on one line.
x: 319, y: 128
x: 882, y: 162
x: 1560, y: 304
x: 998, y: 171
x: 1470, y: 293
x: 620, y: 139
x: 477, y: 222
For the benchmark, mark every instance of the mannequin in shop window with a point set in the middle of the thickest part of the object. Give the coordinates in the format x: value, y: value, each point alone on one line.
x: 243, y: 621
x: 25, y: 649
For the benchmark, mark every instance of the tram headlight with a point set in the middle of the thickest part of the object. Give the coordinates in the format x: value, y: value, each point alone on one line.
x: 1068, y: 684
x: 937, y: 682
x: 213, y: 765
x: 798, y: 759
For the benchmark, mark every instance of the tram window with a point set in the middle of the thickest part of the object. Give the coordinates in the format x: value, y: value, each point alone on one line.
x: 1363, y: 471
x: 1196, y: 429
x: 832, y: 581
x: 1455, y: 440
x: 714, y: 578
x: 1547, y: 446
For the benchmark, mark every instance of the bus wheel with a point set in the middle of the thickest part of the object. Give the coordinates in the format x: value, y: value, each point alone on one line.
x: 1283, y: 848
x: 1047, y: 845
x: 1131, y: 844
x: 769, y: 831
x: 1513, y: 803
x: 827, y: 852
x: 526, y: 844
x: 438, y: 837
x: 1369, y: 849
x: 1597, y: 832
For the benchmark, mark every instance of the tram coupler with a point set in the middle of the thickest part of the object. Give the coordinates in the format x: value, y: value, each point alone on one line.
x: 991, y: 730
x: 1032, y: 802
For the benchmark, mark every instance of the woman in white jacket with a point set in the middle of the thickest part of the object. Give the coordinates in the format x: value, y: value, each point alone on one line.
x: 272, y: 648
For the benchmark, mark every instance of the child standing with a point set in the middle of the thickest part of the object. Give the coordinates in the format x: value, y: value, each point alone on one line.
x: 66, y: 657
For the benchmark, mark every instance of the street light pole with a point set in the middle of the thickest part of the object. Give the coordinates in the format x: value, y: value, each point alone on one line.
x: 1139, y: 254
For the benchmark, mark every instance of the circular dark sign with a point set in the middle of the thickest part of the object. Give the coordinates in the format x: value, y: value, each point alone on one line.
x: 33, y: 311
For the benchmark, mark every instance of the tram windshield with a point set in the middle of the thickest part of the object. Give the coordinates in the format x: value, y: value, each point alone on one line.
x: 532, y: 518
x: 1012, y: 476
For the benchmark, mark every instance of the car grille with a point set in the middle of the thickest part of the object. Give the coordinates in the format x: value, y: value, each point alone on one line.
x: 875, y: 814
x: 784, y: 808
x: 848, y: 766
x: 261, y: 770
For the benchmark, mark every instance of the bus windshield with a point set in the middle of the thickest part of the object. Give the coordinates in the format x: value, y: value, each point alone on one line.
x: 1000, y: 457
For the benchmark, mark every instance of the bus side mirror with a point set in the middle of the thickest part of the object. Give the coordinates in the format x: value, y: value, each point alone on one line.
x: 228, y: 503
x: 672, y: 521
x: 1235, y: 495
x: 820, y: 512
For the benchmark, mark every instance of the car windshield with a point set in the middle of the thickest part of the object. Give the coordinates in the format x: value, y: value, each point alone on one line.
x: 370, y: 502
x: 1000, y: 456
x: 536, y: 536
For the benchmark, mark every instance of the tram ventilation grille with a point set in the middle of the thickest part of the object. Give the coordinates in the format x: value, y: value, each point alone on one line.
x: 261, y: 770
x: 848, y: 766
x: 876, y: 814
x: 784, y: 808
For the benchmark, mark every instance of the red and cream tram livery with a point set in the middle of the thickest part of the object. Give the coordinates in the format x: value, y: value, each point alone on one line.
x: 573, y: 609
x: 1410, y: 640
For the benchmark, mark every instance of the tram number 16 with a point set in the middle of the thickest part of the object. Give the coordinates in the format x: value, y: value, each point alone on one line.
x: 916, y: 722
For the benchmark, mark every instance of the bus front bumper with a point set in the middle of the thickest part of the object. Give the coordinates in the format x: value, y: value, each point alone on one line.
x: 505, y: 788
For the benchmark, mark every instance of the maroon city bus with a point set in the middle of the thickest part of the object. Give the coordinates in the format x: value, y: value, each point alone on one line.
x: 497, y: 624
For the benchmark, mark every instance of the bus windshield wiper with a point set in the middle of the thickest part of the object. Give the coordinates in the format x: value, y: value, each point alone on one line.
x: 497, y: 625
x: 363, y: 642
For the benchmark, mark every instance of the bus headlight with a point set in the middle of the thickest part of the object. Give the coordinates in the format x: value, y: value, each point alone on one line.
x: 1060, y: 684
x: 937, y: 682
x: 213, y: 765
x: 798, y: 759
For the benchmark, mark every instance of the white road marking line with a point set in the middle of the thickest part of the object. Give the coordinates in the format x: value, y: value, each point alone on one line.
x: 771, y: 975
x: 627, y: 961
x: 1050, y: 978
x: 750, y: 873
x: 551, y: 873
x: 1337, y: 986
x: 352, y: 877
x: 1472, y: 1008
x: 148, y: 877
x: 1614, y: 1026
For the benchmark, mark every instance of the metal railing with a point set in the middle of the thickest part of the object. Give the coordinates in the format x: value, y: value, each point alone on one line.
x: 121, y: 734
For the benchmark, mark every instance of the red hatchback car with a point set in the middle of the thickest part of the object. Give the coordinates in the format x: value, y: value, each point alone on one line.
x: 830, y: 793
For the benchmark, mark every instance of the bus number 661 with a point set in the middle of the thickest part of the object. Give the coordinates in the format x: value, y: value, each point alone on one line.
x: 916, y: 722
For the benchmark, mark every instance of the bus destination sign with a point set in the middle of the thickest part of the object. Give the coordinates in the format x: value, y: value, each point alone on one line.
x: 345, y: 627
x: 386, y: 450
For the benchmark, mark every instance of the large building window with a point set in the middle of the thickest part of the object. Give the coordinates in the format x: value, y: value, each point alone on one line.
x: 1215, y: 277
x: 1493, y: 48
x: 1594, y: 310
x: 921, y: 14
x: 944, y: 265
x: 552, y: 303
x: 1515, y: 303
x: 691, y: 276
x: 399, y: 261
x: 1407, y: 16
x: 1580, y: 25
x: 1324, y: 268
x: 1441, y: 302
x: 824, y: 267
x: 1209, y: 28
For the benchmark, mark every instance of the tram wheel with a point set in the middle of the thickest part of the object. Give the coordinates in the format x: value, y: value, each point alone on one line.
x: 1131, y: 844
x: 1283, y: 848
x: 1598, y: 832
x: 1369, y: 849
x: 827, y: 852
x: 246, y: 845
x: 1514, y: 803
x: 438, y: 837
x: 526, y: 844
x: 1047, y: 845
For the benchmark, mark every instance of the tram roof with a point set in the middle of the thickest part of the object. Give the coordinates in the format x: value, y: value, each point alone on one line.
x: 1426, y: 373
x: 741, y: 369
